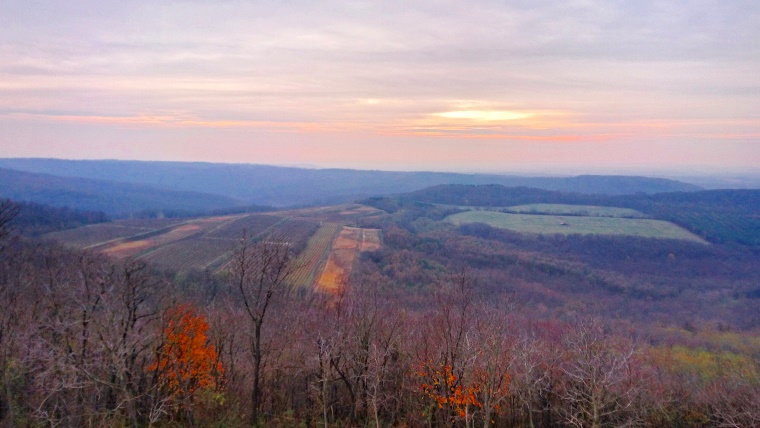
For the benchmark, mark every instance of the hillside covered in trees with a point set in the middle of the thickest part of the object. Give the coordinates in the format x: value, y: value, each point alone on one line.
x: 111, y: 197
x: 175, y: 186
x: 443, y: 325
x: 717, y: 215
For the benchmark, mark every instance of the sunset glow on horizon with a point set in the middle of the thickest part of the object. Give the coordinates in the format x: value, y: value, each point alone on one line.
x: 487, y: 116
x: 484, y: 86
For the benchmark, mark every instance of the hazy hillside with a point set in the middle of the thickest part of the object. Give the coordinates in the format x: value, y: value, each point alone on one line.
x: 100, y: 195
x: 36, y: 219
x: 281, y: 186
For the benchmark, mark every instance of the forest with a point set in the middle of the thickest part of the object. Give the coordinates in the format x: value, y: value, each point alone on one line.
x: 444, y: 326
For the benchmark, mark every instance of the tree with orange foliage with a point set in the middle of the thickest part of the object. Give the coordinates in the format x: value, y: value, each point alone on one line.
x: 447, y: 351
x: 186, y: 362
x: 448, y: 392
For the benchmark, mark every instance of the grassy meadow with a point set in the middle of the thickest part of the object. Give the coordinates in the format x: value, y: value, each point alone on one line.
x: 567, y: 225
x: 576, y: 210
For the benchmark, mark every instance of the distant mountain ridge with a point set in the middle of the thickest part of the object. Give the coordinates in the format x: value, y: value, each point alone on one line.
x: 110, y: 197
x: 288, y: 186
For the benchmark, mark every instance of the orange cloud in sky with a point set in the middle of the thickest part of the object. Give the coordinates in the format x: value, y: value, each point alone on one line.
x: 492, y: 123
x: 473, y: 124
x: 502, y: 136
x: 484, y: 115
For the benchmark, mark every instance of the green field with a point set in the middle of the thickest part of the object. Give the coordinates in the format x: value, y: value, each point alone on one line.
x: 567, y: 225
x: 576, y: 210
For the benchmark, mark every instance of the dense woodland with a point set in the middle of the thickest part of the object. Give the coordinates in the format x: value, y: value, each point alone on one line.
x: 33, y: 219
x: 445, y: 326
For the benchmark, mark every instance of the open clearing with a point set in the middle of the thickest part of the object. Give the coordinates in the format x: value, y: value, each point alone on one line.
x: 576, y: 210
x: 567, y: 225
x: 345, y: 249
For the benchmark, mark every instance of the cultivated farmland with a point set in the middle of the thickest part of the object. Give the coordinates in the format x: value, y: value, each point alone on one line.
x: 207, y: 243
x: 310, y: 262
x: 345, y: 248
x: 183, y: 244
x: 340, y: 214
x: 202, y: 253
x: 567, y: 225
x: 254, y: 225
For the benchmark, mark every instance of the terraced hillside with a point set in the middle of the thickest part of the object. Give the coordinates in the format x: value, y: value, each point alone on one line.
x: 207, y: 243
x: 346, y: 247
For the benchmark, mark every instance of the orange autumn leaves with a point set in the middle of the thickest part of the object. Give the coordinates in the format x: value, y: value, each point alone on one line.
x: 441, y: 385
x: 443, y: 389
x: 187, y: 363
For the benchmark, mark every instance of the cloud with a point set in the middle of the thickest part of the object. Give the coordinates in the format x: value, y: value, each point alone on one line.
x: 484, y: 115
x: 520, y: 70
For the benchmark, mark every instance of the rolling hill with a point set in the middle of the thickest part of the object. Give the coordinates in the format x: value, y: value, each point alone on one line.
x: 110, y: 197
x: 285, y: 186
x: 207, y: 243
x: 718, y: 216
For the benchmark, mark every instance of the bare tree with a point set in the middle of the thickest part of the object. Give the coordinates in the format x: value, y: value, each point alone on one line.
x: 127, y: 333
x: 534, y: 370
x: 18, y: 316
x: 260, y: 271
x: 11, y: 280
x: 8, y: 211
x: 601, y: 382
x: 736, y: 401
x: 358, y: 353
x: 384, y: 364
x: 494, y: 343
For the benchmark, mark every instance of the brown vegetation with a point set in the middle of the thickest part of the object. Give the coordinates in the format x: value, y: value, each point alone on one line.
x: 128, y: 249
x: 345, y: 249
x: 440, y: 327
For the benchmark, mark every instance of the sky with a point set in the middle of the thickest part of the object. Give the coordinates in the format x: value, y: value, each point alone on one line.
x: 491, y: 86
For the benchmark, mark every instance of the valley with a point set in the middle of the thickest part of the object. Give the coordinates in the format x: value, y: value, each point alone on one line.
x: 391, y: 294
x: 373, y: 214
